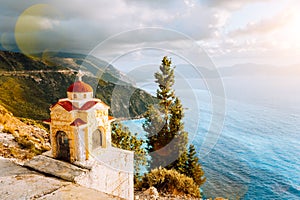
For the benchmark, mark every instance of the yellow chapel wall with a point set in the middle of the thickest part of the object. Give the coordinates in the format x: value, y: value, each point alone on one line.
x: 95, y: 119
x: 60, y: 121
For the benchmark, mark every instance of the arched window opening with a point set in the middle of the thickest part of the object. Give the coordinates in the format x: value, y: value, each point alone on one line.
x: 97, y: 139
x: 63, y: 149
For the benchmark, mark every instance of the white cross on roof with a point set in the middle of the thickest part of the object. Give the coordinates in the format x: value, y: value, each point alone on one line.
x: 80, y: 74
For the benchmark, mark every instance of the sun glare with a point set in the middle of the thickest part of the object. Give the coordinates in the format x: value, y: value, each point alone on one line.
x: 35, y: 22
x: 292, y: 30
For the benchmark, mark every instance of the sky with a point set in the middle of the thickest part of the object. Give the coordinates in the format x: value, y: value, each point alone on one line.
x: 130, y: 32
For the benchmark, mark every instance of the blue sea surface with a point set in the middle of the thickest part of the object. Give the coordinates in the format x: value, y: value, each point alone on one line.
x: 257, y: 155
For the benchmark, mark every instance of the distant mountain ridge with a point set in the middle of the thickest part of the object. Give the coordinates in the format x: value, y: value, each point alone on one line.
x: 28, y: 86
x: 13, y: 61
x: 96, y: 67
x: 189, y: 71
x: 252, y: 69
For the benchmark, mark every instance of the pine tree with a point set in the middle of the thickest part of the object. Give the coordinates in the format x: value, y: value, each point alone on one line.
x: 124, y: 139
x: 180, y: 138
x: 166, y: 139
x: 194, y: 168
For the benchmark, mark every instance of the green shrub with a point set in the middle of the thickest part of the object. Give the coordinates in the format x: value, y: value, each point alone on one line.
x: 170, y: 182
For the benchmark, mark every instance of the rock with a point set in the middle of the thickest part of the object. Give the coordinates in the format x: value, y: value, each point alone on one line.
x: 20, y: 183
x: 17, y: 182
x: 73, y: 191
x: 63, y: 170
x: 152, y: 191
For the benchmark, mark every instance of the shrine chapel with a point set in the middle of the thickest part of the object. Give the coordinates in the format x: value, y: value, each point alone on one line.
x: 79, y: 124
x: 80, y: 133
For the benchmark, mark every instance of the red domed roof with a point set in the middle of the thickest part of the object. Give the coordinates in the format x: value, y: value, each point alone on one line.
x: 80, y: 86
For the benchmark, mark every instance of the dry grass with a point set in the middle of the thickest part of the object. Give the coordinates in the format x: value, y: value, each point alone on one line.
x: 31, y: 139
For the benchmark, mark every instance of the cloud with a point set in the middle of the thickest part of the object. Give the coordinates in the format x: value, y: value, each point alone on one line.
x: 155, y: 4
x: 81, y: 25
x: 230, y: 4
x: 115, y: 17
x: 263, y: 26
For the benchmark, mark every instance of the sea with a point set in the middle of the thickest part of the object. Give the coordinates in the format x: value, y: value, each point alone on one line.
x: 256, y: 154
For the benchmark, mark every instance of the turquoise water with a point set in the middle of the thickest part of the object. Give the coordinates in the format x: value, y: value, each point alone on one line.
x: 257, y: 155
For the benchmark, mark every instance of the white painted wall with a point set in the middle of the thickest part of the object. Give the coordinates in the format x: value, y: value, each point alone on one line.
x: 111, y: 172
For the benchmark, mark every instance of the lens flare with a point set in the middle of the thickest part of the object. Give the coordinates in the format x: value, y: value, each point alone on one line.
x: 7, y: 41
x: 38, y: 30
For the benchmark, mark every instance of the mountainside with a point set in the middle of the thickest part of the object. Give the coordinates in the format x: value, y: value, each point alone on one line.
x: 21, y: 139
x: 96, y: 67
x: 29, y: 86
x: 12, y: 61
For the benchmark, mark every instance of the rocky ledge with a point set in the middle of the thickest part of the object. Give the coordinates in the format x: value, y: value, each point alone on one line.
x: 17, y: 182
x: 57, y: 168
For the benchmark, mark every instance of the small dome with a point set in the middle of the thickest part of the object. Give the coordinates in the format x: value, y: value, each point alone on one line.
x: 80, y: 86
